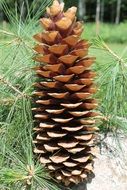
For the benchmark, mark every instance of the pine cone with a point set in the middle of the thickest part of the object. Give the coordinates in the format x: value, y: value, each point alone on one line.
x: 64, y: 114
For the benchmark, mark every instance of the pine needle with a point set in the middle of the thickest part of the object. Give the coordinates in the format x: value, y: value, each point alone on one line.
x: 112, y: 82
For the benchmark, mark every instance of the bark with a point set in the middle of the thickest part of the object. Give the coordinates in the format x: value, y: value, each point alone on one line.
x: 98, y: 7
x: 102, y: 10
x: 118, y: 9
x: 82, y: 9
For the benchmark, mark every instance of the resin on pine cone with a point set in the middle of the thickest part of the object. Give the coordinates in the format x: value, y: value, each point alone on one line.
x: 65, y: 120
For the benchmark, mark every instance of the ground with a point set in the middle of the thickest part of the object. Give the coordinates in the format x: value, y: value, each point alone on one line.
x: 110, y: 166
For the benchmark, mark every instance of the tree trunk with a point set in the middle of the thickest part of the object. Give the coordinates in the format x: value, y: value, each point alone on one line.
x: 98, y: 6
x: 118, y: 9
x: 112, y: 12
x: 102, y: 10
x: 82, y: 9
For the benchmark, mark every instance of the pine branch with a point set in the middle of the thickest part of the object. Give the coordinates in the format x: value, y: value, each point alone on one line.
x: 99, y: 43
x: 30, y: 176
x: 6, y: 101
x: 7, y: 33
x: 17, y: 38
x: 113, y: 81
x: 6, y: 82
x: 10, y: 101
x: 119, y: 59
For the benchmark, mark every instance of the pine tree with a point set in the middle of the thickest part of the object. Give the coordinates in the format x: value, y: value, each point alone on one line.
x: 65, y: 120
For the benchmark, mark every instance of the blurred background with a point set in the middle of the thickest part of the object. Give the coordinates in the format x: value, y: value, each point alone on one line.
x: 112, y: 11
x: 107, y: 18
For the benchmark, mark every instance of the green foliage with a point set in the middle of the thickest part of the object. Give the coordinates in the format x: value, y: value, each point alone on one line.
x: 112, y: 82
x: 21, y: 170
x: 110, y: 33
x: 24, y: 9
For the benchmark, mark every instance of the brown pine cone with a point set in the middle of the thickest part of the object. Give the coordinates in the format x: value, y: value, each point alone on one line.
x: 65, y: 119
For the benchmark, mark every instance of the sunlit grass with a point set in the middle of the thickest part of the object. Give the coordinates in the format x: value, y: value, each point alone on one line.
x: 111, y: 33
